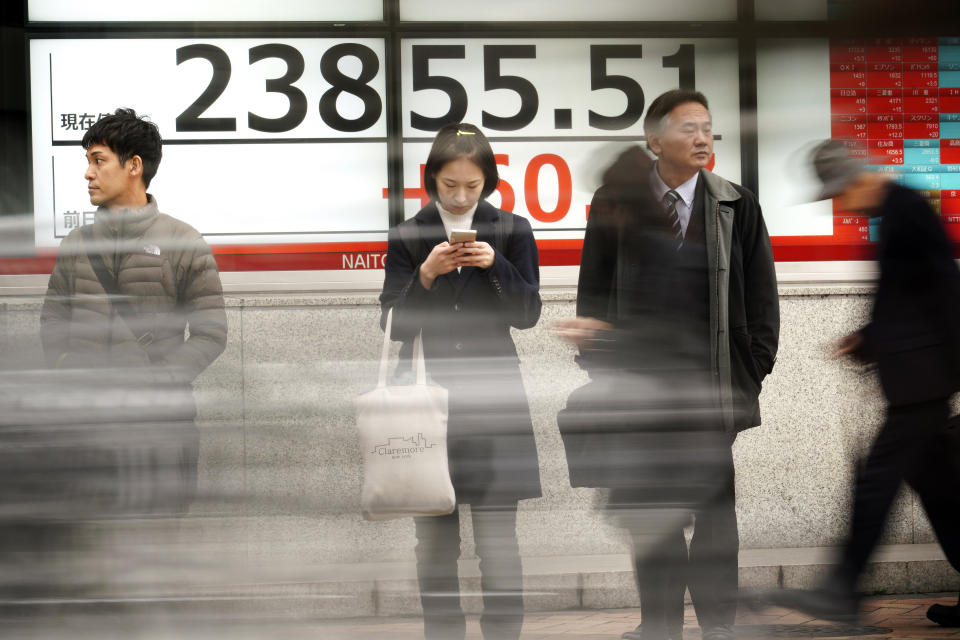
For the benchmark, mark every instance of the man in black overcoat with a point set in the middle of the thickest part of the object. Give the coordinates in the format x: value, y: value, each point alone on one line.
x: 677, y: 296
x: 914, y: 338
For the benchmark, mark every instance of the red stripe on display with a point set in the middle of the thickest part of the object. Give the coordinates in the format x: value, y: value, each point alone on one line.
x: 339, y: 256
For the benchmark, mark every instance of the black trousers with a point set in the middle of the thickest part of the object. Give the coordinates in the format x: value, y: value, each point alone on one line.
x: 665, y: 569
x: 914, y: 445
x: 438, y: 549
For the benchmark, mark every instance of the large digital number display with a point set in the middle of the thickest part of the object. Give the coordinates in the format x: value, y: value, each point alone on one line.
x: 557, y: 112
x: 279, y: 140
x: 284, y: 141
x: 273, y: 141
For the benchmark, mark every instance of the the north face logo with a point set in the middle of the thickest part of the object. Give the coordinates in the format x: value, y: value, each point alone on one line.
x: 403, y: 446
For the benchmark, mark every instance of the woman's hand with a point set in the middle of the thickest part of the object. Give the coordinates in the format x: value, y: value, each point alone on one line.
x: 442, y: 259
x: 475, y: 254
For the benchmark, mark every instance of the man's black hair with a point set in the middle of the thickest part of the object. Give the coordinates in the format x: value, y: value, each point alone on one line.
x: 128, y: 135
x: 667, y: 102
x: 456, y: 141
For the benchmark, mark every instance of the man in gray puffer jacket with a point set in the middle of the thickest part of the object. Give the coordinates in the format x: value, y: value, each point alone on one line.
x: 120, y: 297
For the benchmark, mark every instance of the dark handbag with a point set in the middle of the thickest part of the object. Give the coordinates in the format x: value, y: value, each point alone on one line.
x: 601, y: 435
x: 636, y: 432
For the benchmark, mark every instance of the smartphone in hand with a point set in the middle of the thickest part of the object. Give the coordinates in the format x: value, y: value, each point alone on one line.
x: 462, y: 235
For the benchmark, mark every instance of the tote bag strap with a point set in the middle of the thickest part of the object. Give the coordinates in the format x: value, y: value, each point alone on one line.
x: 418, y: 358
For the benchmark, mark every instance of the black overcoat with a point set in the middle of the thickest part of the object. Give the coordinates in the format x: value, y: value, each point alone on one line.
x: 648, y: 423
x: 914, y: 333
x: 466, y: 319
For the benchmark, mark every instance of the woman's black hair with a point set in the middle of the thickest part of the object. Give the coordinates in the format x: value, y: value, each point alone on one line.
x: 457, y: 141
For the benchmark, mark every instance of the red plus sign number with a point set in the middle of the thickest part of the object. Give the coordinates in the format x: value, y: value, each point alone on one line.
x: 507, y: 197
x: 413, y: 194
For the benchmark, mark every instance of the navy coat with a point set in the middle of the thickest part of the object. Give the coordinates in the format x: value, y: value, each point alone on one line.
x: 914, y: 333
x: 466, y: 319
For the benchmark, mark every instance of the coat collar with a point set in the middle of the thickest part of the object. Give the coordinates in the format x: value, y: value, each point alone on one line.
x: 431, y: 229
x: 485, y: 212
x: 722, y: 190
x: 718, y: 188
x: 128, y: 223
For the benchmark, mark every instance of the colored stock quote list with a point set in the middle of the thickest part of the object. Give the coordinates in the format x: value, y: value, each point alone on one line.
x: 896, y: 103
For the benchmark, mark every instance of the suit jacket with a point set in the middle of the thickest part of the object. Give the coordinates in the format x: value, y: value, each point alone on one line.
x: 914, y: 333
x: 465, y: 319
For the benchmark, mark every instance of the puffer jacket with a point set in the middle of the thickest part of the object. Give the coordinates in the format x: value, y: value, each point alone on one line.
x: 167, y: 271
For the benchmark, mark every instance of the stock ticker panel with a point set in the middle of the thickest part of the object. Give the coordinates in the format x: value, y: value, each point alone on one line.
x: 895, y: 102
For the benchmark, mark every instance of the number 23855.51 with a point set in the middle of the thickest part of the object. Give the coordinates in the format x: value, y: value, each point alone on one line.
x: 193, y: 120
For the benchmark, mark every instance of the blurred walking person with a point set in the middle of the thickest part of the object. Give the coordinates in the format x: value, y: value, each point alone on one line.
x: 914, y: 338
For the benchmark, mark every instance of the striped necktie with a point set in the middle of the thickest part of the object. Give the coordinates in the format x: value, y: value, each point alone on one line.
x: 670, y: 199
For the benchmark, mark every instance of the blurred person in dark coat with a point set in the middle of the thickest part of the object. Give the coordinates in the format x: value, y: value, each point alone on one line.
x: 464, y: 298
x: 913, y: 337
x: 677, y: 296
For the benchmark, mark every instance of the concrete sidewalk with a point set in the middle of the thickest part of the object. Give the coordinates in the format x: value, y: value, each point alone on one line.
x: 883, y: 617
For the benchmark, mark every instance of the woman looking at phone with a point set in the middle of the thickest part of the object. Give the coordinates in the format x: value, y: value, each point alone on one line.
x: 464, y: 297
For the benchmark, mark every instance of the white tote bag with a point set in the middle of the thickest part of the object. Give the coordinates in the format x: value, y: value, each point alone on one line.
x: 403, y: 434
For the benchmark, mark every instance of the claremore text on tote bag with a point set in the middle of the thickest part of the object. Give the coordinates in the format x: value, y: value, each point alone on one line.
x: 403, y: 436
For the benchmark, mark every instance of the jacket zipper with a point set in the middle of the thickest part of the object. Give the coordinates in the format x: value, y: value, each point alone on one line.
x: 716, y: 286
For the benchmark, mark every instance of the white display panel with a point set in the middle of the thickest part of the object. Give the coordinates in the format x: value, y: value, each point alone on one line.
x: 539, y: 10
x: 793, y: 112
x: 202, y: 11
x: 553, y: 155
x: 790, y: 10
x: 247, y: 157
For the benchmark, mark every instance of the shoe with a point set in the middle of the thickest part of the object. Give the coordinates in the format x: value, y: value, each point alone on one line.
x: 944, y: 615
x: 719, y: 632
x: 820, y: 603
x: 637, y: 634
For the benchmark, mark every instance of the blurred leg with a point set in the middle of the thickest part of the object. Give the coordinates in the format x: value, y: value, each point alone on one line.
x: 712, y: 572
x: 438, y: 550
x: 936, y: 484
x: 900, y: 448
x: 501, y: 573
x: 935, y: 479
x: 661, y: 580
